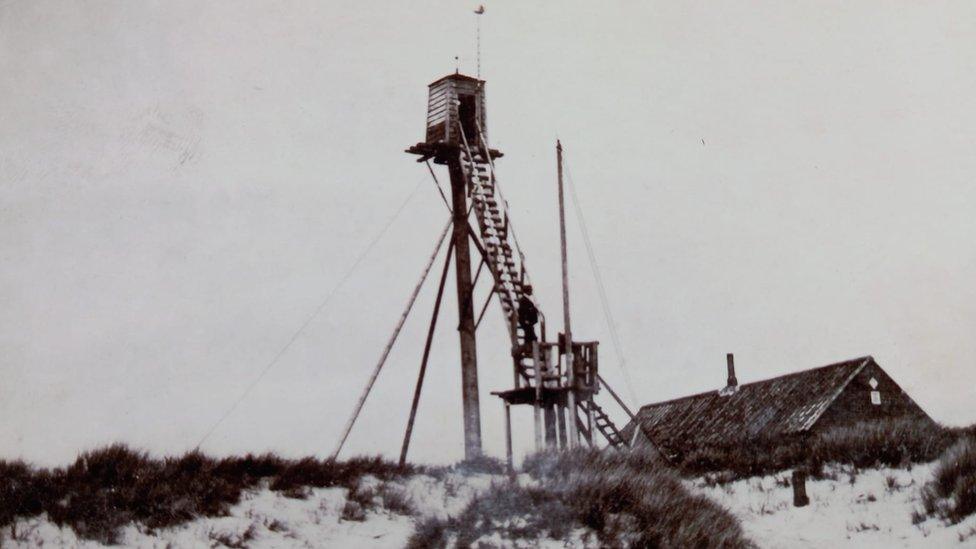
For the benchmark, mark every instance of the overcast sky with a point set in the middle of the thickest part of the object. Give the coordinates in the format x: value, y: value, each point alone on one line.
x: 183, y: 183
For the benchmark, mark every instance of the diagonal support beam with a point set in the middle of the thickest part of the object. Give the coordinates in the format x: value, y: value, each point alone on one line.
x: 423, y: 361
x: 389, y: 345
x: 477, y: 274
x: 485, y: 307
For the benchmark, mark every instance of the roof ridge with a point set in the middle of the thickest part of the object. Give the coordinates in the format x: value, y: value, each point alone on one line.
x: 862, y: 359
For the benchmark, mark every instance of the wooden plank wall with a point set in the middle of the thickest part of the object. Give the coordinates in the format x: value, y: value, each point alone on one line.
x: 439, y: 104
x: 442, y: 109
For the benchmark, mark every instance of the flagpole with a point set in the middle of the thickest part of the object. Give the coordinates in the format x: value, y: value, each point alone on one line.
x: 478, y: 13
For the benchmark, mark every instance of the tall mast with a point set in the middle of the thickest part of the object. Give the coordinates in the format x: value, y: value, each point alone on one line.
x: 567, y: 330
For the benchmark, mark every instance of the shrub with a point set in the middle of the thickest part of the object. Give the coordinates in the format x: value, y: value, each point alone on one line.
x: 627, y: 499
x: 482, y: 464
x: 888, y: 442
x: 479, y: 465
x: 353, y: 511
x: 866, y: 444
x: 429, y: 533
x: 395, y: 499
x: 250, y: 467
x: 23, y: 491
x: 951, y: 494
x: 328, y: 473
x: 108, y: 488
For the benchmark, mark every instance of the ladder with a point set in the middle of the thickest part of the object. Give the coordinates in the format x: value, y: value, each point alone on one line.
x: 602, y: 422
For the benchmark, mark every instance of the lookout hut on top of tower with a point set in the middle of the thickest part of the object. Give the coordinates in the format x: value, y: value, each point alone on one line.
x: 455, y: 117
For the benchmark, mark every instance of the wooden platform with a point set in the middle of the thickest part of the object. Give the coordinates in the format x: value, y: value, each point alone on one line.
x: 527, y: 395
x: 440, y: 152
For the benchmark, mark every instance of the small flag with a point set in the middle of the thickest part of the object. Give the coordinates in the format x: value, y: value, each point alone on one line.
x: 480, y: 10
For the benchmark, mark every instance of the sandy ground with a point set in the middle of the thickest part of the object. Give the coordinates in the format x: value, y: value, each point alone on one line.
x: 870, y: 509
x: 264, y: 518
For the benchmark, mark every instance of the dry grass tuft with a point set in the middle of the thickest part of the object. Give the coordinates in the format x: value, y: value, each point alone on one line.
x: 627, y: 499
x: 868, y: 444
x: 951, y: 494
x: 106, y: 489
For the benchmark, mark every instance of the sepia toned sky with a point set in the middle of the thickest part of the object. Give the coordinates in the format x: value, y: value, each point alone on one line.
x: 182, y: 184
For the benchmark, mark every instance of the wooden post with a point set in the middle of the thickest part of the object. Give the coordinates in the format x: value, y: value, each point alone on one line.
x: 537, y: 404
x: 389, y: 345
x: 466, y: 329
x: 560, y: 404
x: 800, y: 498
x: 561, y: 424
x: 550, y: 407
x: 538, y: 426
x: 567, y: 331
x: 423, y: 361
x: 590, y: 424
x: 508, y: 439
x: 550, y: 418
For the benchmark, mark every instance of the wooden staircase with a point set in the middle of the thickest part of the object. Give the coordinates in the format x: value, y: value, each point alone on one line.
x: 507, y: 266
x: 504, y: 261
x: 602, y: 423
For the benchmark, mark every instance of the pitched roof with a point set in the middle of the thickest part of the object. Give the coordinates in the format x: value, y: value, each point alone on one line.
x: 782, y: 405
x: 455, y: 76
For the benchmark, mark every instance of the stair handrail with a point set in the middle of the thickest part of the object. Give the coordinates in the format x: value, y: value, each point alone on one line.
x: 523, y: 264
x: 493, y: 268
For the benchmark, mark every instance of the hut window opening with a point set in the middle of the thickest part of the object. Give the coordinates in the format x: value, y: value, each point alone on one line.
x: 875, y: 393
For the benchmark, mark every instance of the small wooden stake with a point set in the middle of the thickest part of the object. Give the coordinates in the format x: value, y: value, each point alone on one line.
x: 800, y: 498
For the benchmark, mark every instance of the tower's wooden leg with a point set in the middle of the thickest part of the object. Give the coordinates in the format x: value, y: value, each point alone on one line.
x: 561, y: 424
x: 550, y: 417
x: 537, y: 405
x: 471, y: 407
x: 508, y: 439
x: 590, y: 425
x: 538, y: 426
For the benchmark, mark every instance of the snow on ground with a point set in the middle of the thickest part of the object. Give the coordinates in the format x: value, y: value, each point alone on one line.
x: 265, y: 518
x: 864, y: 509
x: 581, y: 538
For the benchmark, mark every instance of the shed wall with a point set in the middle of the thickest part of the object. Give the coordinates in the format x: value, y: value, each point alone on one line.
x: 439, y: 104
x: 854, y: 404
x: 442, y: 109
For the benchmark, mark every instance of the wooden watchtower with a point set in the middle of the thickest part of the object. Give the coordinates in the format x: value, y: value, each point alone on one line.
x: 455, y: 125
x: 557, y: 378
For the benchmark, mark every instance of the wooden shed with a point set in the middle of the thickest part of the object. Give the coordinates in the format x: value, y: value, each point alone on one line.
x: 455, y: 97
x: 804, y: 402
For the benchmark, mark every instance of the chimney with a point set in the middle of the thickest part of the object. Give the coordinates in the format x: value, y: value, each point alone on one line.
x: 731, y: 362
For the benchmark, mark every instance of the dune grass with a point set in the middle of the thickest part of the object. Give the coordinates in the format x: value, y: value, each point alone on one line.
x: 890, y: 443
x: 623, y: 499
x: 951, y: 494
x: 106, y: 489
